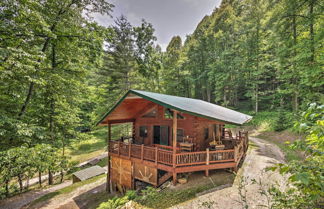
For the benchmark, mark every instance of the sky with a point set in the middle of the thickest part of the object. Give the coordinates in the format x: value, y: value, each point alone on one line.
x: 168, y: 17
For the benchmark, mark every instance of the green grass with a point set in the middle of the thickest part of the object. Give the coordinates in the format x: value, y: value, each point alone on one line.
x: 103, y: 162
x: 92, y: 146
x: 170, y: 197
x: 66, y: 190
x: 263, y: 120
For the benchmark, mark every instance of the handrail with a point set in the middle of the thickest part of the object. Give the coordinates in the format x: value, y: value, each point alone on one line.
x: 160, y: 155
x: 169, y: 148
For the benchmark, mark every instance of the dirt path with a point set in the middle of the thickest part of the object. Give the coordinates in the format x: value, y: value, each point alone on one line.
x: 261, y: 154
x: 74, y: 199
x: 23, y: 199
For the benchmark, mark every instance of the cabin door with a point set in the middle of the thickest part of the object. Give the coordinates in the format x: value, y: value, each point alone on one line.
x: 161, y: 135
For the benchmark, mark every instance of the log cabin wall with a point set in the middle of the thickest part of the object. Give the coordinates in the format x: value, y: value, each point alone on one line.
x: 192, y: 126
x: 187, y: 124
x: 201, y: 124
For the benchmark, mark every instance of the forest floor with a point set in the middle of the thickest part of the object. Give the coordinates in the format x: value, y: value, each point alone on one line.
x: 262, y: 154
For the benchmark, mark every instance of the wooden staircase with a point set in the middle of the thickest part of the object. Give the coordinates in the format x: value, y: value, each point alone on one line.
x: 164, y: 178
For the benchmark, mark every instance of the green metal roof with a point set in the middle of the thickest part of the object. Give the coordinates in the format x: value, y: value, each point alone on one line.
x: 191, y: 106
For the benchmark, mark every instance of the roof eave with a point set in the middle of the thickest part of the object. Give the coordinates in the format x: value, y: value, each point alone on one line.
x: 168, y: 106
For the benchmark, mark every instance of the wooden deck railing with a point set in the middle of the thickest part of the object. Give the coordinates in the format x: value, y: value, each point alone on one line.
x: 163, y: 156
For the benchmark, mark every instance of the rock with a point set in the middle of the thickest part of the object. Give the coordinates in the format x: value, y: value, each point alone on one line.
x: 182, y: 180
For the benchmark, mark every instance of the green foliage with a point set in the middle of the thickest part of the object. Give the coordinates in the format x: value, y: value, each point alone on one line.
x: 24, y: 162
x: 118, y: 202
x: 283, y: 122
x: 306, y: 177
x: 259, y: 55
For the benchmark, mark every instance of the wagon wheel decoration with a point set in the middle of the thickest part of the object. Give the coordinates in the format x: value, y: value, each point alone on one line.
x: 147, y: 175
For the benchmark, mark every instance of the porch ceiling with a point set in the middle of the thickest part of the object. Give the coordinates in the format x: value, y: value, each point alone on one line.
x: 127, y: 110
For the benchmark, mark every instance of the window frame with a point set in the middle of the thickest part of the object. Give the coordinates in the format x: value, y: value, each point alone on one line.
x: 145, y: 132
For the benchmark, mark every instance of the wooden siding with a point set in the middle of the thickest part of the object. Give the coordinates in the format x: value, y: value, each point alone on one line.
x: 192, y: 126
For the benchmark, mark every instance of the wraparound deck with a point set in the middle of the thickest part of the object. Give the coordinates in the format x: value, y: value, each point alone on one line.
x: 163, y: 157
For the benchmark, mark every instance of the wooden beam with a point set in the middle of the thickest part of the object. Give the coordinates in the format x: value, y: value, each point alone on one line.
x: 207, y: 162
x: 204, y: 167
x: 174, y: 144
x: 147, y: 108
x: 129, y: 120
x: 108, y: 159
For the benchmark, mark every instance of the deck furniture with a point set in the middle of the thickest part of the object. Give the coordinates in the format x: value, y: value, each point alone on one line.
x: 186, y: 146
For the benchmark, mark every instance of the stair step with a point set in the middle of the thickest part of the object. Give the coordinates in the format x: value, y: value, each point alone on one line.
x: 164, y: 178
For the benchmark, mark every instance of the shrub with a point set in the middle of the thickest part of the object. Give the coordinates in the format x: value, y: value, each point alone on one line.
x: 283, y: 121
x: 118, y: 202
x: 305, y: 177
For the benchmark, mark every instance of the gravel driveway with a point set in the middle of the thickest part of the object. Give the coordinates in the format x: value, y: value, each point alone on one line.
x: 261, y: 154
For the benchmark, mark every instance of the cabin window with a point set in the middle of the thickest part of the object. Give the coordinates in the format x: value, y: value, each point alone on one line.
x: 143, y: 131
x: 180, y: 135
x: 168, y: 114
x: 206, y: 133
x: 151, y: 114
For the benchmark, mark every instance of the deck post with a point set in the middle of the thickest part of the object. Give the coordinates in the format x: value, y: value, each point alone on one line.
x: 207, y: 162
x: 156, y: 155
x: 118, y: 148
x: 129, y: 149
x: 174, y: 144
x: 142, y: 152
x: 108, y: 189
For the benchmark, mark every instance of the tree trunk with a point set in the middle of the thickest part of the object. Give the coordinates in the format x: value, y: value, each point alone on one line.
x: 225, y: 96
x: 27, y: 183
x: 7, y: 188
x: 50, y: 177
x: 62, y: 176
x: 45, y: 45
x: 311, y: 30
x: 20, y: 183
x: 295, y: 79
x: 40, y: 178
x: 256, y: 99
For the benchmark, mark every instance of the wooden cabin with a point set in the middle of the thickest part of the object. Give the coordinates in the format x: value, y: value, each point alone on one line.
x: 171, y: 135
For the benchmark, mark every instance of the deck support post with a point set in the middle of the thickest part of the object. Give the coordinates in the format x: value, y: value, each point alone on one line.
x: 174, y: 144
x: 118, y: 148
x: 174, y: 178
x: 207, y: 162
x: 142, y: 152
x: 108, y: 186
x: 156, y: 156
x: 129, y: 149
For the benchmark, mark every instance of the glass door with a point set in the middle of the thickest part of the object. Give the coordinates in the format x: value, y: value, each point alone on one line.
x: 161, y: 135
